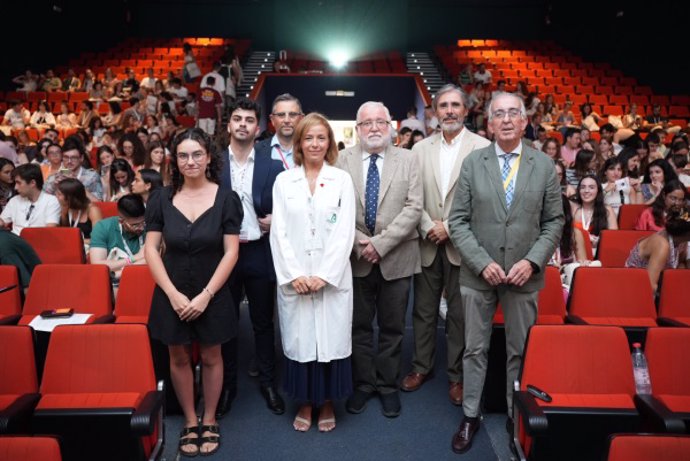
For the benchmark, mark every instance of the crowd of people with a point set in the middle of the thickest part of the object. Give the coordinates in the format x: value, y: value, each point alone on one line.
x: 335, y: 239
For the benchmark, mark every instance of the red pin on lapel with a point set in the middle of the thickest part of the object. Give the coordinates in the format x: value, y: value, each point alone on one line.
x: 321, y: 184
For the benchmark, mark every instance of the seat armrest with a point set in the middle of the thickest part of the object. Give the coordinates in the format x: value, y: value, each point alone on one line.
x: 533, y: 415
x: 18, y: 413
x: 10, y: 319
x: 668, y: 322
x: 661, y: 417
x: 575, y: 320
x: 108, y: 318
x: 144, y: 417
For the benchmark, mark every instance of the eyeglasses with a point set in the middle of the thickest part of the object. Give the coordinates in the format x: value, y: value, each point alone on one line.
x: 380, y: 124
x: 70, y: 158
x: 135, y: 225
x: 501, y: 114
x: 28, y: 213
x: 289, y: 114
x: 184, y: 157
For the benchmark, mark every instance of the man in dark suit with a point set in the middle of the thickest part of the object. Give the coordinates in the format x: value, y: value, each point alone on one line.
x: 251, y: 173
x: 384, y: 257
x: 286, y: 113
x: 506, y: 220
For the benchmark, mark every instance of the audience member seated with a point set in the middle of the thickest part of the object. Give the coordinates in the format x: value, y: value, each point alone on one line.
x: 571, y: 146
x: 566, y: 118
x: 571, y: 252
x: 680, y: 164
x: 176, y: 89
x: 412, y: 122
x: 656, y: 175
x: 89, y: 81
x: 53, y: 161
x: 71, y: 83
x: 119, y: 241
x: 120, y: 179
x: 590, y: 212
x: 466, y: 75
x: 111, y: 83
x: 86, y: 115
x: 667, y: 249
x: 50, y: 82
x: 76, y: 165
x: 146, y: 181
x: 149, y: 81
x: 566, y: 189
x: 656, y: 120
x: 590, y: 119
x: 66, y: 119
x: 17, y: 116
x: 31, y: 207
x: 42, y: 118
x: 130, y: 86
x: 76, y: 210
x: 404, y: 136
x: 15, y: 251
x: 585, y: 163
x: 28, y: 81
x: 673, y: 194
x: 6, y: 182
x: 130, y: 148
x: 618, y: 190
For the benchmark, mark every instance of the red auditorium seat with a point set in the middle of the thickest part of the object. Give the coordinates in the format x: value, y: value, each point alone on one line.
x: 674, y: 308
x: 551, y: 304
x: 25, y: 448
x: 645, y: 447
x: 10, y: 295
x: 104, y: 405
x: 19, y: 385
x: 615, y: 246
x: 108, y: 209
x: 56, y: 245
x: 628, y: 215
x: 134, y: 295
x: 587, y: 372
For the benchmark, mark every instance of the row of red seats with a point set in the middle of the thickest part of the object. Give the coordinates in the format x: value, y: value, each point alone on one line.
x: 98, y: 381
x: 587, y: 372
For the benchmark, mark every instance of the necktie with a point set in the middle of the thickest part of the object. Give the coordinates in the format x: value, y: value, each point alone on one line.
x: 372, y: 194
x: 504, y: 175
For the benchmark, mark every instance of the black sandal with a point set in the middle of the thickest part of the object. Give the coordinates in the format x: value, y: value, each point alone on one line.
x: 189, y: 441
x: 214, y: 438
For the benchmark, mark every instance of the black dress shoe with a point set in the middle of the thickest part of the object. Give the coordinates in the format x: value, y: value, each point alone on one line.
x: 390, y: 404
x: 462, y: 440
x: 357, y: 401
x: 225, y: 402
x: 274, y: 401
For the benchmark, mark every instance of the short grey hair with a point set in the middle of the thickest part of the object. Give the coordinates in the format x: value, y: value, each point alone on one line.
x: 286, y: 97
x: 373, y: 104
x: 500, y: 94
x: 447, y: 88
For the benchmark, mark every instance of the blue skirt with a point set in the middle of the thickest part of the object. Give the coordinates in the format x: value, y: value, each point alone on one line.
x: 316, y: 382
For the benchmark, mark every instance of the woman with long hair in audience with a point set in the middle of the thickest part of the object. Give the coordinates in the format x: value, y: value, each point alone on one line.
x: 42, y: 118
x: 130, y: 148
x: 552, y: 148
x: 551, y: 108
x: 572, y: 245
x: 566, y: 189
x: 111, y: 82
x: 120, y: 181
x: 656, y: 175
x: 76, y: 208
x: 605, y: 149
x: 667, y: 249
x: 145, y: 182
x: 585, y: 163
x: 113, y: 119
x: 104, y: 158
x: 96, y: 130
x: 590, y: 213
x: 192, y: 300
x: 590, y: 119
x: 66, y: 119
x: 155, y: 159
x: 151, y: 124
x: 673, y: 194
x: 618, y: 190
x: 6, y: 181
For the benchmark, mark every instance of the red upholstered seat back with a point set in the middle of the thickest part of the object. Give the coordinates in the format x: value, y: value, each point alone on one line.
x: 85, y: 288
x: 649, y: 447
x: 572, y: 359
x: 98, y: 358
x: 673, y: 296
x: 615, y: 246
x: 10, y: 301
x: 135, y: 293
x: 629, y: 214
x: 17, y: 363
x: 56, y: 245
x: 611, y: 292
x: 108, y: 209
x: 29, y: 449
x: 668, y: 358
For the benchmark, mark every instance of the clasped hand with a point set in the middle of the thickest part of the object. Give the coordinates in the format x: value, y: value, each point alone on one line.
x: 518, y: 275
x: 305, y: 285
x: 188, y: 310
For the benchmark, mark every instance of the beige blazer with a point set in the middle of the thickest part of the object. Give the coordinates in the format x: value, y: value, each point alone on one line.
x: 398, y: 213
x: 436, y: 207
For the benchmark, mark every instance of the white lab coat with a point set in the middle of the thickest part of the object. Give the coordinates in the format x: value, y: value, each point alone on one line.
x: 314, y: 236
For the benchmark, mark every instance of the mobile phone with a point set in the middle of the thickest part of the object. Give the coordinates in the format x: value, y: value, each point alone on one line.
x: 52, y: 313
x: 538, y: 393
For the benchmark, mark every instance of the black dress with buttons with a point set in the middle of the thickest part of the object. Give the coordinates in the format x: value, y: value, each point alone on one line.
x: 193, y: 251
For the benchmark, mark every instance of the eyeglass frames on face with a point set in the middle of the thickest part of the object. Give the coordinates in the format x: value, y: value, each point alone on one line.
x: 184, y: 157
x: 288, y: 114
x: 380, y: 124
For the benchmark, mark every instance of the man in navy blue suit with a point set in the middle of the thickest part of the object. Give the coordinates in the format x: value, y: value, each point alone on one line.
x: 251, y: 173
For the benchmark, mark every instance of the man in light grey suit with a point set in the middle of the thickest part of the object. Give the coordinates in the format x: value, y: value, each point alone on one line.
x: 384, y: 257
x: 506, y: 220
x: 440, y: 157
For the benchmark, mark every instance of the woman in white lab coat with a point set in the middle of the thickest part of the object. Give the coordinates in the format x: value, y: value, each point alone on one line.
x: 312, y: 234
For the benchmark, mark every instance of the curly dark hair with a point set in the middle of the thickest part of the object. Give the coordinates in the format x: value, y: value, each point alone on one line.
x: 659, y: 205
x: 212, y: 170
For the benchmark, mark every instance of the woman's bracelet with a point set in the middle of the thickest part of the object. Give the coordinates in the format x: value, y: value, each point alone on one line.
x: 207, y: 291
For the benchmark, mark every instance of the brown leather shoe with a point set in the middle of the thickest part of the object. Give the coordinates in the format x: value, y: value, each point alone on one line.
x: 462, y: 440
x: 455, y: 393
x: 413, y: 381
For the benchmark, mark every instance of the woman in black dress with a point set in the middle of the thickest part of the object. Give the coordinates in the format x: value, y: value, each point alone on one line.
x: 200, y: 224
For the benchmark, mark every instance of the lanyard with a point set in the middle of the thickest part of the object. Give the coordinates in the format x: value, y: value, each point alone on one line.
x: 513, y: 170
x: 282, y: 157
x: 76, y: 222
x: 127, y: 249
x: 585, y: 224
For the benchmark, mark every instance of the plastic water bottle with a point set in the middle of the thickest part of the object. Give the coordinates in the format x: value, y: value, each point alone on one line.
x: 643, y: 384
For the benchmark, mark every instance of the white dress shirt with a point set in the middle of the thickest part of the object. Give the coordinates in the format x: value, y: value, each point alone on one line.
x: 365, y: 166
x: 449, y: 154
x: 242, y: 177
